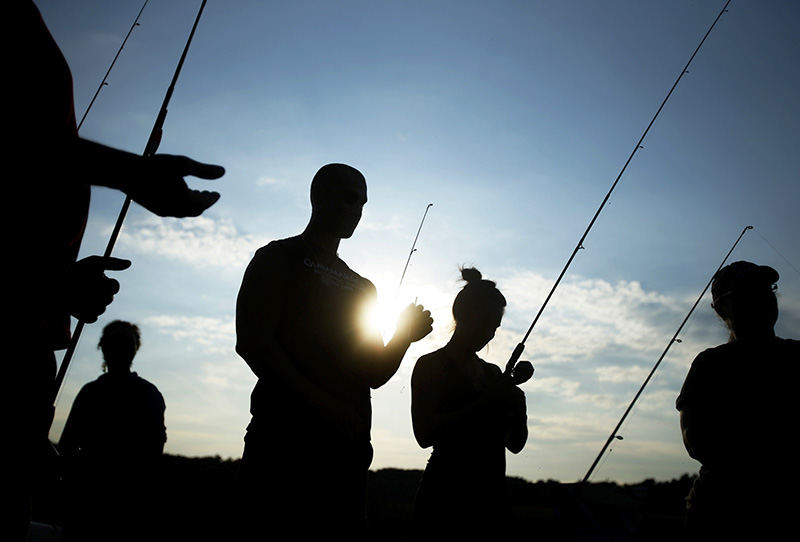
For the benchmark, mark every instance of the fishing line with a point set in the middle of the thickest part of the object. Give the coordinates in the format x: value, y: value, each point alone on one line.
x: 150, y: 149
x: 110, y: 67
x: 521, y: 346
x: 674, y: 339
x: 779, y: 253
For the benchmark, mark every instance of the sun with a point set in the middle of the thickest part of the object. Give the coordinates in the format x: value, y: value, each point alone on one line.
x: 381, y: 317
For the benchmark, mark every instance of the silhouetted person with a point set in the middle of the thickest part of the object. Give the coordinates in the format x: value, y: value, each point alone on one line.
x: 299, y: 327
x: 48, y: 178
x: 470, y: 413
x: 113, y: 440
x: 738, y: 414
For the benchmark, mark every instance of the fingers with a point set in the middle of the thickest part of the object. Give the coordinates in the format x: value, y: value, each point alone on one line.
x: 90, y: 290
x: 198, y: 201
x: 105, y: 263
x: 94, y: 302
x: 420, y: 322
x: 203, y: 171
x: 116, y: 264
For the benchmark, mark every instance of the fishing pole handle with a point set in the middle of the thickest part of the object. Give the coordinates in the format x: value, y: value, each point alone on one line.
x: 512, y: 361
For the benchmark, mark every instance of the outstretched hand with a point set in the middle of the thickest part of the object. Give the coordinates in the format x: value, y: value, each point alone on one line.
x: 88, y: 290
x: 162, y: 190
x: 414, y: 322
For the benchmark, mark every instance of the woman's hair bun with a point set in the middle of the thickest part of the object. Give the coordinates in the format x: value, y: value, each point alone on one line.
x: 470, y: 274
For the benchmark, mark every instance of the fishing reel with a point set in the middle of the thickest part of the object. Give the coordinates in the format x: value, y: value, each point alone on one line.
x: 522, y: 372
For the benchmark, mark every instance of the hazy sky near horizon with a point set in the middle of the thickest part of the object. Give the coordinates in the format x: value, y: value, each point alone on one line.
x: 513, y: 118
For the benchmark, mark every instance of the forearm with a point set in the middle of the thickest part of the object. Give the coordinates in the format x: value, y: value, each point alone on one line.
x: 517, y: 434
x: 705, y: 440
x: 100, y: 165
x: 386, y: 361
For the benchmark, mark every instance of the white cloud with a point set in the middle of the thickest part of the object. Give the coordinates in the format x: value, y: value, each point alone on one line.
x: 269, y: 181
x: 199, y: 241
x: 588, y: 316
x: 621, y: 374
x: 212, y: 335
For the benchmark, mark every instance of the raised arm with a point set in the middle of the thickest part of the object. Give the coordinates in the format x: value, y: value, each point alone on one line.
x: 379, y: 363
x: 155, y: 182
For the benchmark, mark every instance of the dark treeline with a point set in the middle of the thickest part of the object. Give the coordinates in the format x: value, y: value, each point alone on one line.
x: 197, y: 499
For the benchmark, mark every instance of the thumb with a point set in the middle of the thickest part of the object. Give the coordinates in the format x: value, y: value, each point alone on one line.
x: 115, y: 264
x: 204, y: 171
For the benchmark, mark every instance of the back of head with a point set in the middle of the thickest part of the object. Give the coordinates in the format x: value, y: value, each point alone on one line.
x: 741, y: 276
x: 330, y: 176
x: 478, y: 296
x: 743, y: 296
x: 119, y: 343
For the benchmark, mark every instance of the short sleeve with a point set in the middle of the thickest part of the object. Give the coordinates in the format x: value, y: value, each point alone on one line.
x: 695, y: 382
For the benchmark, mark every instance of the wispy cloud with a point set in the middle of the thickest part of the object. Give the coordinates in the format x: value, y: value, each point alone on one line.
x: 269, y: 181
x: 201, y: 241
x: 212, y: 335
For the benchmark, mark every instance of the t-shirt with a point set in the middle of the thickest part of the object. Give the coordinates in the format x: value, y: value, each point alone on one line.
x: 466, y: 470
x: 322, y: 332
x: 116, y: 417
x: 746, y: 391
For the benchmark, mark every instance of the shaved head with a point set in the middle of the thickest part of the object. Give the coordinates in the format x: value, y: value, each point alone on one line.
x: 333, y: 176
x: 338, y: 195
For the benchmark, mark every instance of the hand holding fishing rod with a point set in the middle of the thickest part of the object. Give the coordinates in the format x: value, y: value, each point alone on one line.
x: 154, y: 181
x: 521, y: 346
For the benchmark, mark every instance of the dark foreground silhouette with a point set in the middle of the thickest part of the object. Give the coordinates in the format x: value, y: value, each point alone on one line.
x: 300, y: 328
x: 471, y: 414
x: 196, y: 505
x: 48, y: 205
x: 739, y: 411
x: 111, y: 446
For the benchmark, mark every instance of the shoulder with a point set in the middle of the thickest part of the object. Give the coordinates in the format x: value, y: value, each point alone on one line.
x: 702, y: 371
x: 790, y: 345
x: 274, y: 250
x: 430, y: 365
x: 148, y: 388
x: 90, y: 390
x: 491, y: 369
x: 270, y: 260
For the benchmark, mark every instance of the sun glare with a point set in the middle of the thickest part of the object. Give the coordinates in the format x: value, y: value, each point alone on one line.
x: 381, y: 317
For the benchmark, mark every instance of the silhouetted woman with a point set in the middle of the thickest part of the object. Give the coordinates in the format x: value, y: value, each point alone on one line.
x: 470, y: 413
x: 739, y: 414
x: 113, y: 439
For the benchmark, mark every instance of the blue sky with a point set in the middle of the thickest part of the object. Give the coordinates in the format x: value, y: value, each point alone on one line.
x: 513, y: 118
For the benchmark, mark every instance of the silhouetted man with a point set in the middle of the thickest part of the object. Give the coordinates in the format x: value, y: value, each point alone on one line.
x: 299, y: 328
x: 113, y: 439
x: 47, y: 184
x: 739, y: 412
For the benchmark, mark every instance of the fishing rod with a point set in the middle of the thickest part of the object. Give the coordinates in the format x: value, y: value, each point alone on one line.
x: 521, y: 346
x: 413, y: 247
x: 111, y: 66
x: 674, y: 339
x: 150, y: 149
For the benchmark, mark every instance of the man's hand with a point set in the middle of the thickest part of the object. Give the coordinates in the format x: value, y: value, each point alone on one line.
x: 161, y: 189
x: 88, y: 291
x: 414, y: 323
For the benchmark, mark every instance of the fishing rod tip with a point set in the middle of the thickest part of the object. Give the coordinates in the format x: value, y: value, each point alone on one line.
x: 749, y: 228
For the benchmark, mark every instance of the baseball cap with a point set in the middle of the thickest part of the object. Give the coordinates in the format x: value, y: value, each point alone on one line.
x: 742, y: 274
